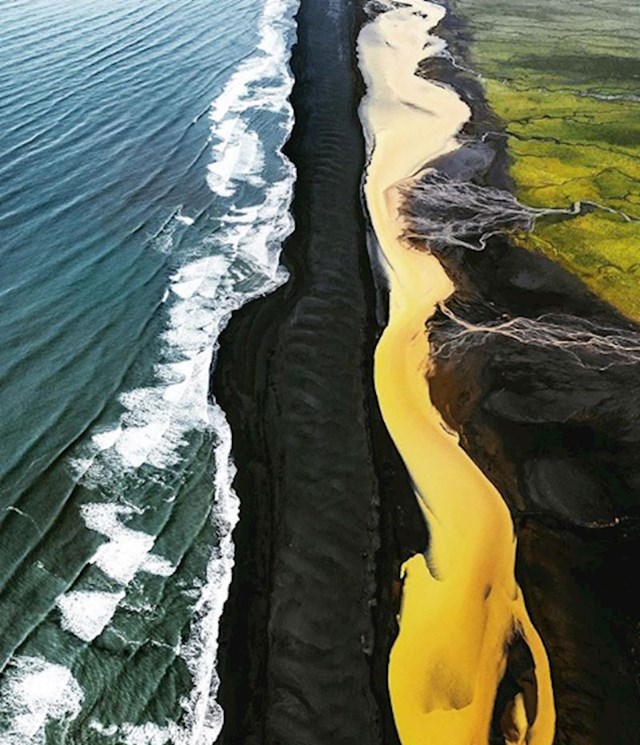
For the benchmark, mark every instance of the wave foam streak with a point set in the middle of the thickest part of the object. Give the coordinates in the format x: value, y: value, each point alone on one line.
x: 34, y: 692
x: 253, y: 234
x: 140, y: 468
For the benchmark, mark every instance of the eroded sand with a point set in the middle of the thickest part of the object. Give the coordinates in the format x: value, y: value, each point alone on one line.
x: 461, y: 605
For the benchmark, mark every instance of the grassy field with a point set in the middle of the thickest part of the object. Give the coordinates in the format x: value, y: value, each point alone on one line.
x: 566, y: 84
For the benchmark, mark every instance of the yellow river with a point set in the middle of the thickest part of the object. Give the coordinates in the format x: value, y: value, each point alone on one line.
x: 461, y: 605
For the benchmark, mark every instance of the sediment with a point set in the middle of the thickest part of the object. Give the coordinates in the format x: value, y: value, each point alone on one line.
x: 462, y: 612
x: 300, y: 660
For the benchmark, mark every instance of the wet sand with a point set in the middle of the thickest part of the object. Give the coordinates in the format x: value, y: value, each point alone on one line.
x: 461, y: 607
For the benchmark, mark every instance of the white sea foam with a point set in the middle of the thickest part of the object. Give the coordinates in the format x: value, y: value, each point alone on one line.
x: 107, y: 730
x: 147, y: 734
x: 204, y: 714
x: 254, y: 233
x: 139, y: 734
x: 86, y: 613
x: 142, y: 734
x: 127, y: 551
x: 158, y: 565
x: 107, y: 439
x: 240, y: 157
x: 236, y: 263
x: 184, y: 219
x: 32, y: 692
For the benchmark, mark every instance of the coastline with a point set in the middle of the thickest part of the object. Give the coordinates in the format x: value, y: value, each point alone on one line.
x: 327, y: 512
x: 428, y: 531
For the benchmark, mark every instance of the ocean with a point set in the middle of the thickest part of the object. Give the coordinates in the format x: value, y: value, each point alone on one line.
x: 144, y: 198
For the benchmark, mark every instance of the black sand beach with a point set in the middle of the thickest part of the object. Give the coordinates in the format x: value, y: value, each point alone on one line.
x: 301, y: 661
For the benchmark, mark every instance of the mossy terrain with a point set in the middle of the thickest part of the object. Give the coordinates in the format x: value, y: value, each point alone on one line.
x: 565, y: 81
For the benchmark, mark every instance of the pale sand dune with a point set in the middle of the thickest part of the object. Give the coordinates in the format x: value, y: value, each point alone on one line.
x: 461, y: 607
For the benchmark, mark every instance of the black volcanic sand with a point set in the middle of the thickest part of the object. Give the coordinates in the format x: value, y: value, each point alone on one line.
x: 560, y: 438
x: 327, y: 512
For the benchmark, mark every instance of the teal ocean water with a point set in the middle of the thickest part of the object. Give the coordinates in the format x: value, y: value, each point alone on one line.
x: 143, y: 199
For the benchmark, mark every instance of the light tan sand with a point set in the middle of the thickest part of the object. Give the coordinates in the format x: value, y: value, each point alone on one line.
x: 461, y: 604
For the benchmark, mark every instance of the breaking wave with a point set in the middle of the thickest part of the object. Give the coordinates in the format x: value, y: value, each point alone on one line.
x: 234, y: 259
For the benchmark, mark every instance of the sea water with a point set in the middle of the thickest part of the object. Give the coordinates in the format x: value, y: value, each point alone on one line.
x: 144, y: 198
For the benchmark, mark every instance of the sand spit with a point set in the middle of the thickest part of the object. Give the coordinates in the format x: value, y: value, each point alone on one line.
x: 461, y: 607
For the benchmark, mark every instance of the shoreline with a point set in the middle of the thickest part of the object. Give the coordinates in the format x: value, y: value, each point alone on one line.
x: 327, y: 512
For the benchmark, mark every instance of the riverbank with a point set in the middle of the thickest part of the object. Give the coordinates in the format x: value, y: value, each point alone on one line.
x: 462, y: 611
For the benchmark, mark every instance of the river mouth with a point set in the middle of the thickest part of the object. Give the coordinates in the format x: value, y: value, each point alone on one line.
x: 462, y: 613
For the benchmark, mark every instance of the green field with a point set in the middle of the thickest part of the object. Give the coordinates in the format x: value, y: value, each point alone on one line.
x: 565, y: 81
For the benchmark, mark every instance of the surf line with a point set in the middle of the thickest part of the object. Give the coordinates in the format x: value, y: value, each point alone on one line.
x: 462, y: 610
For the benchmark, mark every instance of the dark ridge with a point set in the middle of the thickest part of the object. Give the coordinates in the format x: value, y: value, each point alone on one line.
x: 327, y: 511
x: 559, y: 437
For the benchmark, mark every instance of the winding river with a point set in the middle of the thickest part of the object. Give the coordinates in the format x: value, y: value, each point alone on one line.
x: 461, y: 608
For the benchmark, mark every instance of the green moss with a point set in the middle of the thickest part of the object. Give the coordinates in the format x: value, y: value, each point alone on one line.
x: 565, y: 86
x: 599, y: 248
